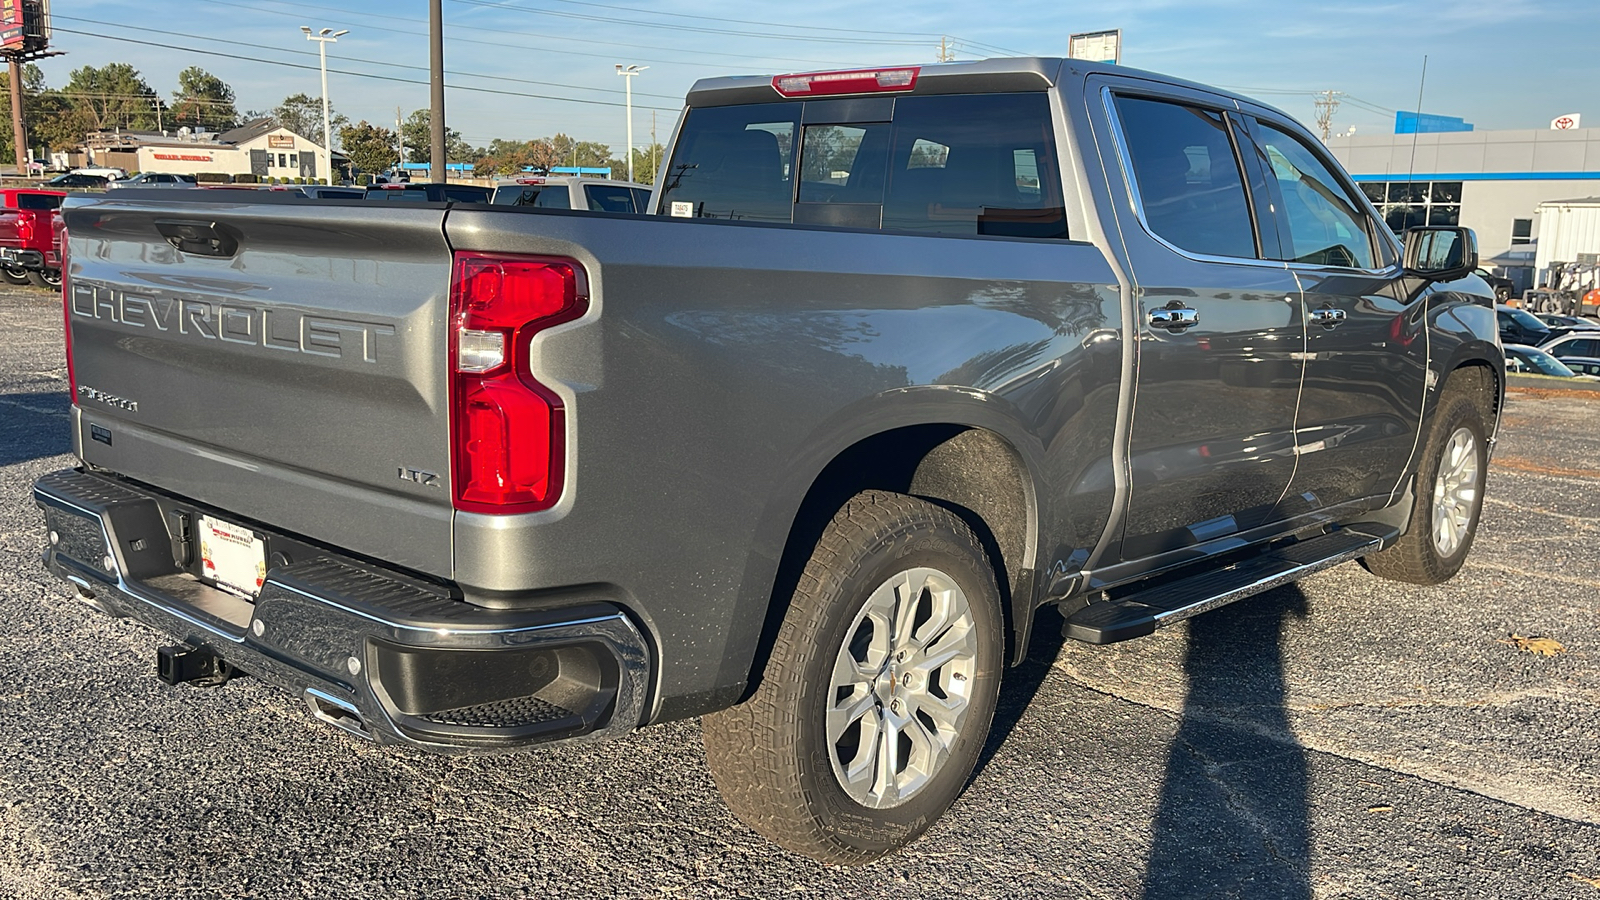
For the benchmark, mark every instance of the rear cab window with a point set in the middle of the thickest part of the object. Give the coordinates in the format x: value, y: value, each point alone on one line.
x: 609, y: 198
x: 979, y: 164
x: 38, y: 201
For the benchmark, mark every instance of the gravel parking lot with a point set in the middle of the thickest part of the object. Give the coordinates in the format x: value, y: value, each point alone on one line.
x: 1346, y: 737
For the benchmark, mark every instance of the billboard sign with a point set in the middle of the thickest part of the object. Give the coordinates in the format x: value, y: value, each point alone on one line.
x: 1096, y: 46
x: 1566, y: 122
x: 24, y: 26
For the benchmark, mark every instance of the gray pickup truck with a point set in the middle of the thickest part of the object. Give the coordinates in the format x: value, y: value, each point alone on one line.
x: 903, y: 356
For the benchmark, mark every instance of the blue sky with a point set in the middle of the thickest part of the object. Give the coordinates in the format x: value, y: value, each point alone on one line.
x: 1498, y: 63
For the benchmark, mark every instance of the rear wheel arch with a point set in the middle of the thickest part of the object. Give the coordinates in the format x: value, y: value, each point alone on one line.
x: 973, y: 471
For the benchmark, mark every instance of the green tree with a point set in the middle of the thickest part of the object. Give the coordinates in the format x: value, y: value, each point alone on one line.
x: 418, y: 132
x: 205, y: 100
x: 370, y: 147
x: 302, y: 114
x: 504, y: 157
x: 113, y: 96
x: 645, y: 160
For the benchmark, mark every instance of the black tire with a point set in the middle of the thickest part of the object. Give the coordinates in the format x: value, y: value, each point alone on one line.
x: 1502, y: 294
x: 50, y: 280
x: 14, y: 276
x: 1417, y: 558
x: 771, y: 755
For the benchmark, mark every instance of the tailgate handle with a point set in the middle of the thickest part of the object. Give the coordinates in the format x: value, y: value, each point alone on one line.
x: 200, y: 238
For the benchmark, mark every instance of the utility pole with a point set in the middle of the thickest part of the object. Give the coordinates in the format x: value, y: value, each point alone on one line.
x: 1327, y: 103
x: 18, y: 134
x: 655, y: 150
x: 400, y: 134
x: 947, y: 53
x: 436, y: 90
x: 627, y: 74
x: 323, y: 38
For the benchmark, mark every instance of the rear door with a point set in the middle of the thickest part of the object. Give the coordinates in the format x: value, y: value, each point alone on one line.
x: 1212, y: 439
x: 1366, y: 350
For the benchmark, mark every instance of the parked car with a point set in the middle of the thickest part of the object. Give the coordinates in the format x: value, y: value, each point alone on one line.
x: 30, y: 236
x: 1518, y: 326
x: 1567, y: 323
x: 596, y: 194
x: 1503, y: 287
x: 110, y: 173
x: 78, y: 180
x: 802, y: 458
x: 1585, y: 343
x: 1533, y: 361
x: 421, y: 192
x: 155, y: 180
x: 1583, y: 365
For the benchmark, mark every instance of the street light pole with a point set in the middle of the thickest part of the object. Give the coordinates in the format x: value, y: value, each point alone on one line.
x: 323, y: 38
x: 627, y: 74
x: 439, y: 147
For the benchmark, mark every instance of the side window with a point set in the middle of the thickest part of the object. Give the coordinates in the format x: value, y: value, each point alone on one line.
x: 1190, y: 185
x: 1325, y: 227
x: 641, y: 200
x: 980, y: 164
x: 734, y: 162
x: 555, y: 196
x: 606, y: 198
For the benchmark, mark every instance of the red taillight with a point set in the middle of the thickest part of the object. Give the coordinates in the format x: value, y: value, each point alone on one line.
x: 507, y: 447
x: 27, y: 220
x: 858, y: 81
x: 66, y: 314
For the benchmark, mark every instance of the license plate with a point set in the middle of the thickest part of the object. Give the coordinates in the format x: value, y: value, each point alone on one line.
x: 232, y: 556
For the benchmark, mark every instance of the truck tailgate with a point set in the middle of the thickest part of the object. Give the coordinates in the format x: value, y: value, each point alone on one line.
x: 283, y: 360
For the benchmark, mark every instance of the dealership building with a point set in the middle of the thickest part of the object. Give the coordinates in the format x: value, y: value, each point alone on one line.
x: 259, y: 148
x: 1490, y: 181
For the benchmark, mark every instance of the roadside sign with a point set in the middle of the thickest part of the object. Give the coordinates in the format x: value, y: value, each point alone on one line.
x: 1096, y: 46
x: 1565, y: 123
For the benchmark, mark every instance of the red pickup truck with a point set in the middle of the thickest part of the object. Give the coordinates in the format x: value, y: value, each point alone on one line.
x: 30, y: 237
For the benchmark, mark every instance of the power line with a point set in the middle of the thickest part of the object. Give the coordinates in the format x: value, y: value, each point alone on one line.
x: 290, y: 65
x: 375, y: 62
x: 367, y: 25
x: 783, y: 25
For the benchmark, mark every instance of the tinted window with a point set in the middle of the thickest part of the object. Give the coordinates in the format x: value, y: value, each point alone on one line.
x: 641, y: 200
x: 1189, y: 179
x: 975, y: 165
x: 516, y: 194
x: 466, y: 195
x: 556, y: 196
x: 734, y: 162
x: 38, y: 201
x: 609, y: 198
x: 399, y: 196
x: 1325, y: 225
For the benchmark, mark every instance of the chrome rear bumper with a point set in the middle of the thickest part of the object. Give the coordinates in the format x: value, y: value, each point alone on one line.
x: 380, y: 654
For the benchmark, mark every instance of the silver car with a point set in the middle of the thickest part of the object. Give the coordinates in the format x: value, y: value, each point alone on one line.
x: 597, y: 194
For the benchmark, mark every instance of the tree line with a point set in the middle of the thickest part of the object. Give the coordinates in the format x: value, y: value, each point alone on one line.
x: 115, y: 96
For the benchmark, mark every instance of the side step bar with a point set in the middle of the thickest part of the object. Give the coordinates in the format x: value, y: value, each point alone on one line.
x: 1141, y: 613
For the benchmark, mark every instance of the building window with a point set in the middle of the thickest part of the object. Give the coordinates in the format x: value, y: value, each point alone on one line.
x: 294, y: 159
x: 1521, y: 231
x: 283, y: 163
x: 1408, y: 204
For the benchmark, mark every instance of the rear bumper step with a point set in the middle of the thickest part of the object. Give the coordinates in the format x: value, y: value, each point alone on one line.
x: 1139, y: 614
x: 377, y: 653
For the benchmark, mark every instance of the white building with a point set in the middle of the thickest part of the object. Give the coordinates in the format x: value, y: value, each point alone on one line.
x: 1490, y: 181
x: 259, y: 148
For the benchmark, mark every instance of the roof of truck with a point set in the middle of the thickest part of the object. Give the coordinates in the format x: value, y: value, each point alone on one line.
x: 1023, y: 73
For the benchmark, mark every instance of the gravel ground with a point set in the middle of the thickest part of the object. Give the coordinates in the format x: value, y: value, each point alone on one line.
x: 1346, y: 737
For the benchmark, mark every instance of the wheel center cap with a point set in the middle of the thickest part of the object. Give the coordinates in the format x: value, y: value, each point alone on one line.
x: 886, y: 682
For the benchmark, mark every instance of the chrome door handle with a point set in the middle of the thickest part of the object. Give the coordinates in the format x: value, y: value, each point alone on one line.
x: 1327, y: 316
x: 1173, y: 319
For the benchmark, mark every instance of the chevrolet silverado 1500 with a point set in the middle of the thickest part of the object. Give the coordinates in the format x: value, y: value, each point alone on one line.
x: 903, y: 356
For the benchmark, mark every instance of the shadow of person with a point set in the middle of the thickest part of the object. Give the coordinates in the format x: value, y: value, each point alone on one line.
x: 1234, y: 818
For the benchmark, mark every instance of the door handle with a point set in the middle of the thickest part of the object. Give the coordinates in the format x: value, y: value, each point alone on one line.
x: 1173, y: 318
x: 1327, y: 316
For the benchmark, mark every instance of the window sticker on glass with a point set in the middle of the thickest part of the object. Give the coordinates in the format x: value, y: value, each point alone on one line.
x: 682, y: 209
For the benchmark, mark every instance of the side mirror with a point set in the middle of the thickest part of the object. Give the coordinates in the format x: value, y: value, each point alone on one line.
x: 1440, y: 253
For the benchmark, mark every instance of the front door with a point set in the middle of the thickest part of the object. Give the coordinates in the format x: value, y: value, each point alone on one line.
x: 1221, y: 337
x: 1366, y: 345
